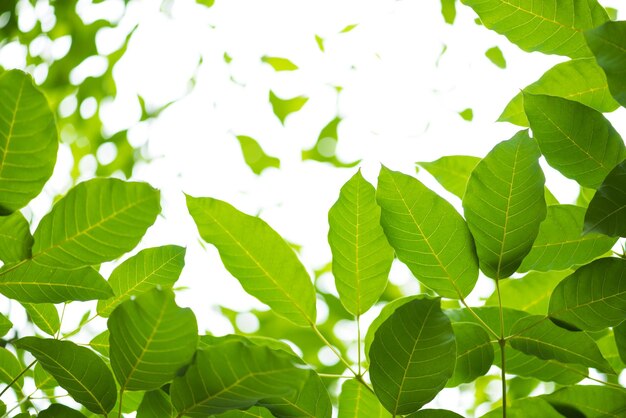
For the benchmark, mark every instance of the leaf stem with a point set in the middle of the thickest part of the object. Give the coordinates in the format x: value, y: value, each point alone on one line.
x: 334, y: 350
x: 56, y: 337
x: 479, y: 319
x: 119, y: 413
x: 502, y: 343
x: 12, y: 382
x: 358, y: 342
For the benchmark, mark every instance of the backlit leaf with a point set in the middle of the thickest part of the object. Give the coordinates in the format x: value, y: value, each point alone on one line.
x: 10, y: 368
x: 100, y: 343
x: 97, y: 221
x: 279, y: 64
x: 44, y: 315
x: 58, y: 410
x: 448, y: 10
x: 608, y: 44
x: 355, y: 399
x: 284, y: 107
x: 15, y: 239
x: 467, y: 114
x: 412, y: 356
x: 325, y: 147
x: 496, y: 57
x: 156, y: 404
x: 428, y: 234
x: 527, y: 407
x: 434, y: 413
x: 619, y: 332
x: 452, y: 172
x: 592, y: 401
x: 504, y: 205
x: 254, y: 155
x: 474, y: 353
x: 349, y: 28
x: 258, y: 257
x: 5, y: 325
x: 607, y: 209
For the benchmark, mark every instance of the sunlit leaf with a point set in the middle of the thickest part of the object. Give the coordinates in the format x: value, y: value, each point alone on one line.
x: 608, y: 44
x: 44, y: 315
x: 504, y: 205
x: 467, y: 114
x: 151, y: 338
x: 324, y: 149
x: 355, y: 398
x: 576, y: 140
x: 15, y: 239
x: 609, y: 350
x: 361, y: 254
x: 258, y: 257
x: 28, y: 141
x: 448, y: 10
x: 452, y: 172
x: 349, y: 28
x: 10, y: 368
x: 560, y: 243
x: 592, y: 401
x: 254, y: 155
x: 97, y: 221
x: 619, y: 333
x: 593, y: 297
x: 428, y: 234
x: 284, y: 107
x: 5, y: 325
x: 311, y: 401
x: 607, y: 209
x: 279, y: 64
x: 524, y: 408
x: 100, y: 343
x: 554, y: 28
x: 320, y: 42
x: 206, y: 3
x: 77, y: 369
x: 158, y: 266
x: 30, y: 282
x: 474, y: 353
x: 58, y: 410
x: 156, y: 404
x: 434, y: 413
x: 496, y: 57
x: 412, y: 356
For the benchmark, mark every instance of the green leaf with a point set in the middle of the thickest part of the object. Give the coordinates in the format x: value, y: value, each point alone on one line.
x: 258, y: 257
x: 30, y: 282
x: 10, y: 367
x: 156, y: 404
x: 496, y: 57
x: 474, y: 353
x: 15, y: 239
x: 448, y: 10
x: 530, y: 293
x: 77, y: 369
x: 284, y: 107
x: 320, y: 42
x: 580, y: 80
x: 524, y: 408
x: 592, y: 401
x: 279, y: 64
x: 609, y: 350
x: 504, y: 204
x: 556, y: 27
x: 97, y: 221
x: 43, y: 380
x: 355, y: 399
x: 575, y: 139
x: 619, y: 332
x: 151, y: 338
x: 311, y: 401
x: 608, y: 44
x: 44, y: 315
x: 255, y: 411
x: 254, y: 155
x: 607, y: 209
x: 434, y: 413
x: 206, y: 3
x: 452, y: 172
x: 28, y: 141
x: 539, y: 337
x: 324, y: 149
x: 593, y: 297
x: 234, y: 375
x: 361, y: 254
x: 59, y: 411
x: 412, y: 356
x: 349, y: 28
x: 560, y: 244
x: 467, y: 114
x: 158, y: 266
x: 5, y: 325
x: 428, y: 234
x: 100, y: 343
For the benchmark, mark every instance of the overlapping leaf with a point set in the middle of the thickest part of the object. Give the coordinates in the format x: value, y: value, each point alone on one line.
x: 28, y: 141
x: 361, y: 254
x: 504, y: 205
x: 5, y: 325
x: 384, y: 314
x: 592, y: 401
x: 434, y: 413
x: 158, y: 266
x: 156, y: 404
x: 527, y: 407
x: 58, y: 410
x: 619, y: 333
x: 77, y: 369
x: 474, y: 353
x: 452, y: 172
x: 10, y: 368
x: 412, y: 356
x: 608, y: 44
x: 15, y: 238
x: 44, y: 315
x: 355, y: 400
x: 551, y: 27
x: 576, y: 140
x: 560, y: 243
x: 97, y: 221
x: 284, y: 107
x: 607, y: 209
x: 258, y: 257
x: 151, y: 338
x: 428, y: 234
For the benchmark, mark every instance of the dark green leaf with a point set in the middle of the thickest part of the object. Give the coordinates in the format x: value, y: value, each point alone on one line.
x: 434, y: 413
x: 10, y: 367
x: 412, y: 356
x: 15, y: 239
x: 355, y: 398
x: 97, y: 221
x: 279, y: 64
x: 151, y: 338
x: 607, y: 209
x: 592, y: 401
x: 496, y: 57
x: 324, y: 149
x: 428, y: 234
x: 255, y: 412
x: 258, y: 257
x: 593, y: 297
x: 576, y: 140
x: 474, y: 353
x: 619, y: 333
x: 608, y: 44
x: 504, y: 204
x: 158, y: 266
x: 59, y: 411
x: 28, y: 141
x: 44, y: 315
x: 361, y: 254
x: 77, y: 369
x: 156, y: 404
x: 452, y: 172
x: 254, y: 155
x: 526, y: 408
x: 43, y: 379
x: 284, y: 107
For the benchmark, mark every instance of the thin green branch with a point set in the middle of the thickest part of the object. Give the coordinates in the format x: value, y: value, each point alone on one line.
x: 502, y: 343
x: 334, y: 350
x: 12, y: 382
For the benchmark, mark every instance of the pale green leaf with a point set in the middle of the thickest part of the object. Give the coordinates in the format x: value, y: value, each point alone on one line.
x: 30, y: 282
x: 100, y: 343
x: 44, y: 315
x: 158, y: 266
x: 77, y: 369
x: 551, y: 27
x: 607, y: 209
x: 609, y: 350
x: 355, y: 400
x: 525, y: 408
x: 43, y: 379
x: 593, y: 297
x: 58, y: 410
x: 537, y: 336
x: 361, y: 254
x: 279, y: 64
x: 494, y: 54
x: 452, y: 172
x: 608, y: 44
x: 448, y: 10
x: 97, y: 221
x: 320, y: 42
x: 15, y: 239
x: 151, y: 339
x: 254, y: 156
x: 258, y: 257
x: 428, y: 234
x: 349, y: 28
x: 581, y: 80
x: 576, y: 140
x: 560, y: 243
x: 156, y: 404
x: 412, y: 356
x: 467, y: 114
x: 474, y: 353
x: 504, y: 204
x: 325, y: 147
x: 234, y: 375
x: 206, y: 3
x: 284, y: 107
x: 10, y: 368
x: 5, y: 325
x: 592, y: 401
x: 28, y: 141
